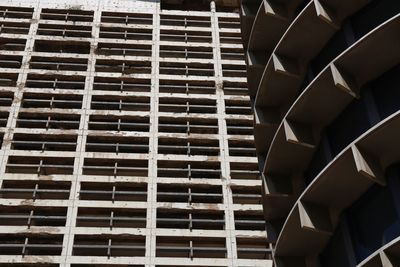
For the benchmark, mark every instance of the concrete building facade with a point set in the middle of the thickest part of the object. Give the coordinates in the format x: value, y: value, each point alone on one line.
x: 126, y: 136
x: 324, y: 82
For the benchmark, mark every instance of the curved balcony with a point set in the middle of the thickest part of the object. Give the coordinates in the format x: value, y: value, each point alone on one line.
x: 387, y: 255
x: 248, y: 10
x: 286, y: 68
x: 315, y: 215
x: 326, y: 126
x: 271, y: 21
x: 299, y: 133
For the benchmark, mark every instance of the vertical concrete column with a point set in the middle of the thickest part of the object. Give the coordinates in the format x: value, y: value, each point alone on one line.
x: 224, y: 149
x: 18, y: 92
x: 68, y: 241
x: 153, y: 144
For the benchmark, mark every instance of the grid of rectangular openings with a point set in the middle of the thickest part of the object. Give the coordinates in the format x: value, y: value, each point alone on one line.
x: 122, y: 141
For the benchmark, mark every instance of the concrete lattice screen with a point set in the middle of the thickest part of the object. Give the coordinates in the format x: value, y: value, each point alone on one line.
x: 127, y: 138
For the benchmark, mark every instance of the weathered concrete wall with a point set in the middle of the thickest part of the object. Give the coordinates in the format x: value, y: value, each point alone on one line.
x: 130, y: 135
x: 109, y: 5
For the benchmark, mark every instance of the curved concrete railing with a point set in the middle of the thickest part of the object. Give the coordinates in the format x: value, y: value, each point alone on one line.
x: 295, y: 140
x: 285, y: 70
x: 248, y: 10
x: 271, y: 21
x: 388, y: 255
x: 312, y: 220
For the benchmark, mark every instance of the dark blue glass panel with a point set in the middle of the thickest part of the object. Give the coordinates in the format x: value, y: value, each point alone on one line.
x: 336, y: 45
x: 372, y: 15
x: 320, y: 159
x: 349, y: 125
x: 373, y: 221
x: 386, y: 91
x: 335, y: 253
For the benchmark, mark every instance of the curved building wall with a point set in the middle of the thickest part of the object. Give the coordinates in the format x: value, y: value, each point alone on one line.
x: 324, y: 84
